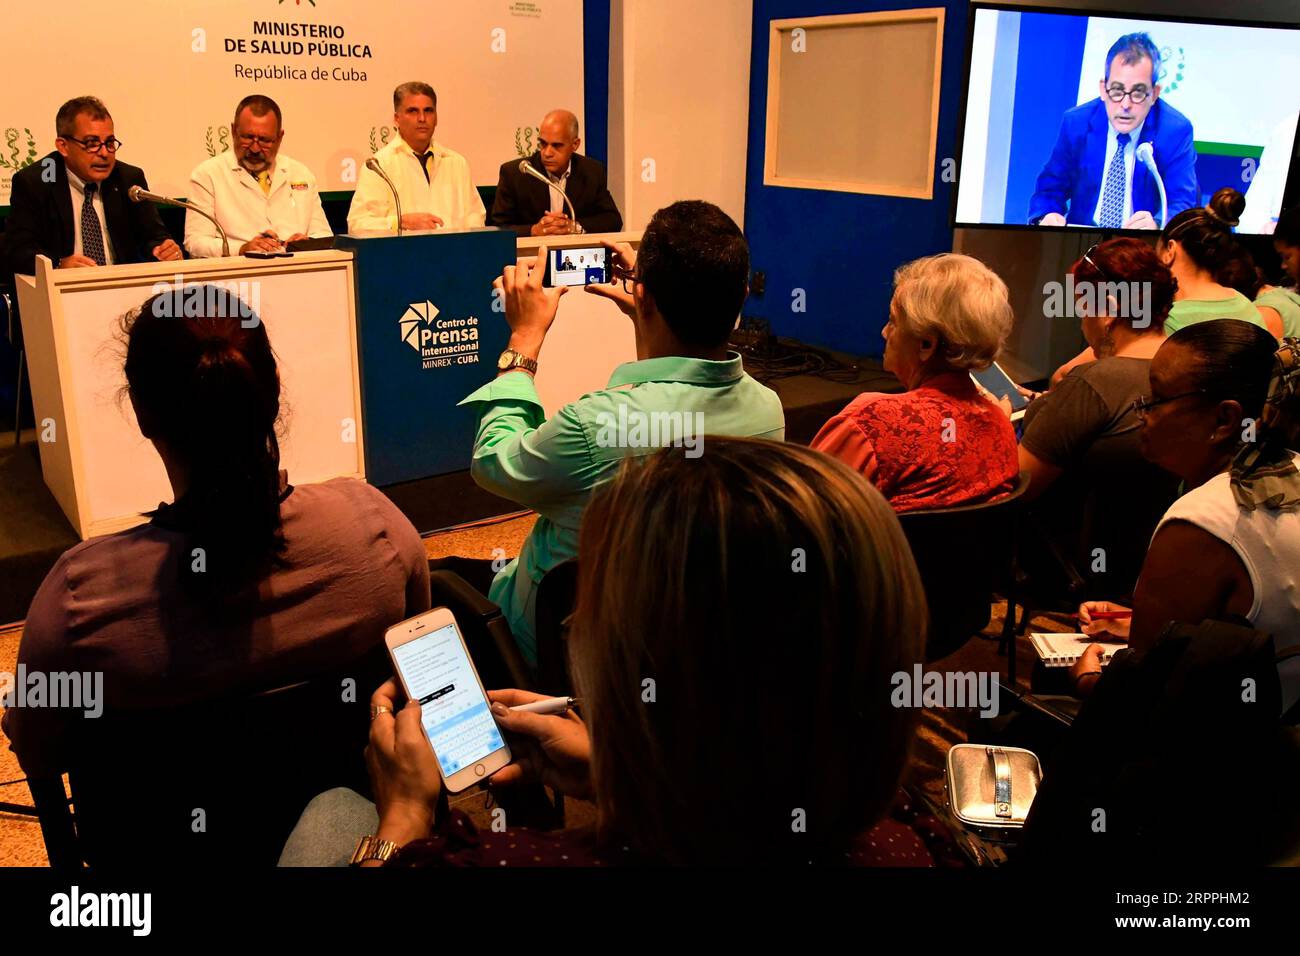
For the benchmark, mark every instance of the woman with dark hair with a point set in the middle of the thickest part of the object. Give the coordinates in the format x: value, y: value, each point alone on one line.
x: 1200, y: 250
x: 1198, y: 247
x: 243, y: 581
x: 739, y: 705
x: 1278, y: 303
x: 1091, y: 486
x: 1222, y: 415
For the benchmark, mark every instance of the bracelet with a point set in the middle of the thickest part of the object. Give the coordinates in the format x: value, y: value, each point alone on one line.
x: 1086, y: 674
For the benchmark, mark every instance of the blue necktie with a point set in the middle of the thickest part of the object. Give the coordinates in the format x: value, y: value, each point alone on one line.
x: 92, y: 237
x: 1112, y: 197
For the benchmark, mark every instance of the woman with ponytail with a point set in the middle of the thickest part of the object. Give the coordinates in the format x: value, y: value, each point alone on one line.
x: 243, y: 580
x: 1200, y: 250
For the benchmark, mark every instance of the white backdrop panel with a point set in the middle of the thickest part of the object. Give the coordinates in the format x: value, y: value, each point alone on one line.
x: 166, y: 71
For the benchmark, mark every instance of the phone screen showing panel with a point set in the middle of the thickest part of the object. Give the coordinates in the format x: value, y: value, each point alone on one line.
x: 438, y: 673
x: 578, y: 266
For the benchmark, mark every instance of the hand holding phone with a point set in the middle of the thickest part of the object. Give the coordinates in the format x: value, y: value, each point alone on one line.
x: 403, y: 769
x: 434, y: 668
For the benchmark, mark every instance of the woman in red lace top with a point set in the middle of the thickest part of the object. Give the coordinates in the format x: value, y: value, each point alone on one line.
x: 942, y: 442
x: 738, y: 620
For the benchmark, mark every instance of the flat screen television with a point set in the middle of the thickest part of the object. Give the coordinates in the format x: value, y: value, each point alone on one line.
x: 1051, y: 94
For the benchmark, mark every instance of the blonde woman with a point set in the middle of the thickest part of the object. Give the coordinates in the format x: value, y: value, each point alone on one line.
x: 739, y: 622
x: 941, y: 443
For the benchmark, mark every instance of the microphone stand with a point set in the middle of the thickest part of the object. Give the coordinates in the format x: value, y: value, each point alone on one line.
x: 136, y: 194
x: 527, y: 167
x: 374, y: 167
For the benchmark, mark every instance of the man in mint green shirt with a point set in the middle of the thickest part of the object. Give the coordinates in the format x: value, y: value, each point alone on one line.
x: 682, y: 290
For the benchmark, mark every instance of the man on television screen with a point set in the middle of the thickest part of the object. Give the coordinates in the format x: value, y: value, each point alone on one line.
x: 1094, y: 176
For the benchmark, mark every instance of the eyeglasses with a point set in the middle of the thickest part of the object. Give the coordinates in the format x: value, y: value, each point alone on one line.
x: 94, y: 144
x: 625, y: 276
x: 262, y: 141
x: 1087, y: 257
x: 1144, y: 404
x: 1117, y: 93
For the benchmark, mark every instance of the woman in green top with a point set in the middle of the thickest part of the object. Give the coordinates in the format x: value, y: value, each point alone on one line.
x: 1198, y: 247
x: 1285, y: 302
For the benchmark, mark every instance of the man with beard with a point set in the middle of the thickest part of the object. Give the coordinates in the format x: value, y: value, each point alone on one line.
x: 262, y: 198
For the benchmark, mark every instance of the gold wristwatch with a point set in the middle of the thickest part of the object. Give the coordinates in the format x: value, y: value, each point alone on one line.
x: 372, y: 848
x: 510, y: 360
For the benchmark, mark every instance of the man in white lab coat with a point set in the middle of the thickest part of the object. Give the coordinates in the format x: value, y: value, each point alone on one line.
x: 262, y: 198
x: 432, y: 181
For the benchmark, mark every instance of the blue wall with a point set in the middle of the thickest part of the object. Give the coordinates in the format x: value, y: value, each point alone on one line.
x: 841, y: 248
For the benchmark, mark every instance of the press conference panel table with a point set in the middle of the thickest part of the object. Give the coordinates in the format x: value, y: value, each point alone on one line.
x: 323, y: 319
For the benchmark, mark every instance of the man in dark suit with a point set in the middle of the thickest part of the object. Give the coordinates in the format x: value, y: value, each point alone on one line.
x: 1093, y: 177
x: 73, y: 206
x: 531, y: 208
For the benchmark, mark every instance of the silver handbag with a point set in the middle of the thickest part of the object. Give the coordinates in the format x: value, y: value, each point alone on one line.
x: 992, y: 788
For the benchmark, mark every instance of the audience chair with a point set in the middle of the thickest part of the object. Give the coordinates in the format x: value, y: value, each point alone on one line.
x: 555, y: 599
x: 964, y: 555
x: 14, y: 333
x: 217, y: 783
x: 487, y: 634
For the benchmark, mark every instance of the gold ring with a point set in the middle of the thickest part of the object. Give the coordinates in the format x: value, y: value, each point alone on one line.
x: 376, y: 711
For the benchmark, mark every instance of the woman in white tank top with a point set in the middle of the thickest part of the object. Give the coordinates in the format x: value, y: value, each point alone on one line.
x: 1222, y: 413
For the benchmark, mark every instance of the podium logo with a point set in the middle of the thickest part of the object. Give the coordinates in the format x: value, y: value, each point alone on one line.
x: 440, y: 342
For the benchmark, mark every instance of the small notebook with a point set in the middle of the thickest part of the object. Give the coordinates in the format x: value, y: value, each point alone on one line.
x: 1062, y: 650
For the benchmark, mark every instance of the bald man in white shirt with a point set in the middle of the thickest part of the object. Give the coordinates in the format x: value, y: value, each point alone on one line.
x: 433, y: 182
x: 262, y: 198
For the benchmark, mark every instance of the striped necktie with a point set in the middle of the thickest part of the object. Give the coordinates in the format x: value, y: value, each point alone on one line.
x: 92, y: 236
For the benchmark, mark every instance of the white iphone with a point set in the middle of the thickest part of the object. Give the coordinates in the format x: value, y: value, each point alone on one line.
x: 432, y: 662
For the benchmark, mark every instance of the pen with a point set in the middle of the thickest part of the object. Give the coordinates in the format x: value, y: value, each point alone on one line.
x: 551, y: 705
x: 1110, y: 615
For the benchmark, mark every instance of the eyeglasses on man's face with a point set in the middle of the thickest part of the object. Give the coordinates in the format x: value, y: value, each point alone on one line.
x: 246, y: 140
x: 626, y: 276
x: 1138, y: 94
x: 94, y: 144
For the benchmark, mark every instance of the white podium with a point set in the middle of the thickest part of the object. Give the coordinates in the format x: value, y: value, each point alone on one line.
x: 99, y: 467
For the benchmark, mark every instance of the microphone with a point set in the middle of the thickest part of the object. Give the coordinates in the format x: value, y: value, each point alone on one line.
x: 1146, y: 154
x: 136, y: 194
x: 372, y: 164
x: 528, y: 169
